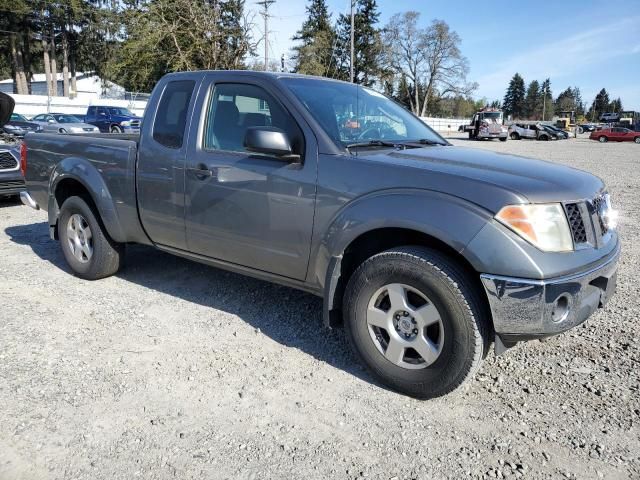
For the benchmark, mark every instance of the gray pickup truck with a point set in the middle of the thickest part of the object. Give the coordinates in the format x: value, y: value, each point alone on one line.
x: 426, y: 253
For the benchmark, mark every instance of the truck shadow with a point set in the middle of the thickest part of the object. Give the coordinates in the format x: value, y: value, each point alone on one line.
x: 290, y: 317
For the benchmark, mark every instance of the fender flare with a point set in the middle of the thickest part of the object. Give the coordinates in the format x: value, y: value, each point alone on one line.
x: 82, y: 171
x: 449, y: 219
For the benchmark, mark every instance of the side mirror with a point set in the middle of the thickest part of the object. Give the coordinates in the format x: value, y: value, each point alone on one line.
x: 270, y: 141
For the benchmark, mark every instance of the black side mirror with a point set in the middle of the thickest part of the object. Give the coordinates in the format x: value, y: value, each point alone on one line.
x: 270, y: 141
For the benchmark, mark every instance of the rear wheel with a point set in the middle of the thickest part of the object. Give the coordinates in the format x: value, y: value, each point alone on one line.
x: 603, y: 139
x: 416, y: 321
x: 116, y: 129
x: 503, y: 139
x: 87, y: 248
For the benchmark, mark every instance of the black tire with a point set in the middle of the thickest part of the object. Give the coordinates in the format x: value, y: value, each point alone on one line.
x: 503, y: 139
x: 107, y: 257
x: 603, y: 139
x: 637, y: 140
x: 544, y: 138
x: 62, y: 130
x: 464, y: 316
x: 515, y: 136
x: 115, y: 129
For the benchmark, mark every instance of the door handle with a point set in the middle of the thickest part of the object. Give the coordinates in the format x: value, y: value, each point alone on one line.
x: 201, y: 171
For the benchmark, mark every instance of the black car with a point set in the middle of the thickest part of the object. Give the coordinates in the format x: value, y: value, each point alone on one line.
x: 587, y: 127
x: 19, y: 126
x: 11, y: 177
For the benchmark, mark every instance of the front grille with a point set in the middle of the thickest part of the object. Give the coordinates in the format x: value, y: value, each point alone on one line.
x: 11, y: 185
x: 597, y: 207
x: 576, y: 222
x: 7, y: 161
x: 135, y: 123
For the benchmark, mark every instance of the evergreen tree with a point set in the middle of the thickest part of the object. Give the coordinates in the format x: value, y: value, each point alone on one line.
x: 514, y: 100
x: 599, y: 106
x: 367, y: 44
x: 547, y: 100
x: 577, y: 98
x: 533, y: 101
x: 314, y: 55
x: 566, y: 101
x: 615, y: 105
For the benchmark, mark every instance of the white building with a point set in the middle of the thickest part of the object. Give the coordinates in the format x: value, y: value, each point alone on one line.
x: 89, y: 87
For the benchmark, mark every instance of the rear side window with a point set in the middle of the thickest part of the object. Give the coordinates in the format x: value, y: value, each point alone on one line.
x: 171, y: 118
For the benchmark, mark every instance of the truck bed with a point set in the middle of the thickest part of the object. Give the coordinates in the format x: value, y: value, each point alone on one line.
x: 106, y: 161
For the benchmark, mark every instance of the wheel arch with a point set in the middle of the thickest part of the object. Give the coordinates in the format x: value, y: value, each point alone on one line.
x: 78, y: 177
x: 352, y: 239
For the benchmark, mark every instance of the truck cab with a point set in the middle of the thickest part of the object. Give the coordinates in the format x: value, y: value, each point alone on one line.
x: 487, y: 123
x: 110, y: 119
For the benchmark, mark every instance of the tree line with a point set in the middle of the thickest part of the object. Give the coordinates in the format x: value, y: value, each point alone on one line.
x: 536, y: 101
x: 135, y: 42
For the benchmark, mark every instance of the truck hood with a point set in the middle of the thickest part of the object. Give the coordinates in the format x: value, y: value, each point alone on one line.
x: 467, y: 170
x: 6, y: 108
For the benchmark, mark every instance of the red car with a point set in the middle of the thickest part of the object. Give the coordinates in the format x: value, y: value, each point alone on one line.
x: 615, y: 134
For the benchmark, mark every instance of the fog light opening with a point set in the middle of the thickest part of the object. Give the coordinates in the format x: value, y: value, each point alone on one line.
x: 561, y: 308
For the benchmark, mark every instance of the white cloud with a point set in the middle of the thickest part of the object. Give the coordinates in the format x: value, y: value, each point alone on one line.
x: 561, y: 57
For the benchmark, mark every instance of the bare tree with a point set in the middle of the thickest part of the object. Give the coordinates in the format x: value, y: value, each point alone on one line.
x: 429, y: 59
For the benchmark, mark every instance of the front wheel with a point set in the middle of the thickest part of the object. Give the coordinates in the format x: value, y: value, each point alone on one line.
x: 515, y: 136
x: 603, y: 139
x: 637, y: 140
x: 116, y: 129
x: 89, y: 251
x: 416, y: 321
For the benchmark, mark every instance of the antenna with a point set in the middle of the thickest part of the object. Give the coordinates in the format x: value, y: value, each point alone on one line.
x: 265, y: 4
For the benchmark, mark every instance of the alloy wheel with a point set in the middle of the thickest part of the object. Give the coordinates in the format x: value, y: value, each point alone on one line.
x: 405, y: 326
x: 79, y: 238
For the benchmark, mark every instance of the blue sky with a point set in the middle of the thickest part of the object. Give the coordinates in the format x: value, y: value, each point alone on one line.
x: 586, y: 43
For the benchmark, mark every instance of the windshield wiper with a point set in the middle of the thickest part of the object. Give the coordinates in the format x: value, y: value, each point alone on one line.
x: 426, y: 141
x: 376, y: 143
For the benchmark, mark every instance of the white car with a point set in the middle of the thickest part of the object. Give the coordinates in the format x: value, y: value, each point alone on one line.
x: 63, y: 123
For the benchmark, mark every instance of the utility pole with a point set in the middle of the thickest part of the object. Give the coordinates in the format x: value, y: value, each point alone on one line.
x: 265, y: 4
x: 352, y: 42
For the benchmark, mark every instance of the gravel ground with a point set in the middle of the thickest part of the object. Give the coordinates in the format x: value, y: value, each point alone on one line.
x: 176, y: 370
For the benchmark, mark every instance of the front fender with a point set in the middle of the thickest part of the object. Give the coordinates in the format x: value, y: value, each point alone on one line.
x: 450, y: 219
x: 84, y: 172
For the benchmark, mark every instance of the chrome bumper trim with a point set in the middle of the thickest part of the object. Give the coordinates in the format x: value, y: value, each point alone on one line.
x: 525, y: 308
x: 28, y: 201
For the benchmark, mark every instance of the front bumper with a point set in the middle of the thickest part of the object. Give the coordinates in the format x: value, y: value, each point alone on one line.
x: 11, y: 182
x: 525, y: 309
x: 130, y: 129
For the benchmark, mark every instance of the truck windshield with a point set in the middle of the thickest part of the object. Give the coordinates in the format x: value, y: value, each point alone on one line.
x: 120, y: 111
x: 492, y: 115
x: 351, y: 114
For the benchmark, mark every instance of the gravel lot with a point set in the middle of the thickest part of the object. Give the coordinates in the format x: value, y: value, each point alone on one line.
x: 176, y: 370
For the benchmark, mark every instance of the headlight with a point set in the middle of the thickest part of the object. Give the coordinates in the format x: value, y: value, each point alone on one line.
x: 543, y: 225
x: 126, y: 123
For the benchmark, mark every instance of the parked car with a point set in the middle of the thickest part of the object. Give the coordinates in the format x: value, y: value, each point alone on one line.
x: 113, y: 119
x: 63, y: 123
x: 609, y: 117
x: 11, y: 177
x: 526, y: 130
x: 561, y: 134
x: 19, y: 126
x: 426, y: 253
x: 556, y: 133
x: 615, y: 134
x: 587, y: 127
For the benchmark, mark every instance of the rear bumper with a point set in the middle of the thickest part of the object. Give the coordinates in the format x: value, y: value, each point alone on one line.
x: 524, y: 309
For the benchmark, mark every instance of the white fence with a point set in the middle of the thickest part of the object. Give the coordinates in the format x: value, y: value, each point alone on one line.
x: 445, y: 124
x: 30, y: 105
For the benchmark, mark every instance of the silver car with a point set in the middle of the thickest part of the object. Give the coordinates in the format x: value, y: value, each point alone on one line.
x: 63, y: 123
